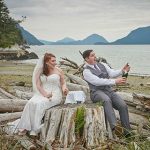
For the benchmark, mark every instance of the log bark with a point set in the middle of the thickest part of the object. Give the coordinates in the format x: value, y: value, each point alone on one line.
x: 28, y: 145
x: 9, y: 116
x: 7, y: 94
x: 135, y: 119
x: 138, y: 112
x: 129, y: 98
x: 139, y: 101
x: 12, y: 105
x: 76, y: 79
x: 141, y: 96
x: 145, y: 100
x: 60, y: 125
x: 24, y: 95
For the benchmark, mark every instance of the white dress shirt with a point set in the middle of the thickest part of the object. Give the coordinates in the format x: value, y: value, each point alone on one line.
x: 93, y: 79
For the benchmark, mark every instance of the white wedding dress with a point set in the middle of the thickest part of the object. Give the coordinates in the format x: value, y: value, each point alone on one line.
x: 35, y: 108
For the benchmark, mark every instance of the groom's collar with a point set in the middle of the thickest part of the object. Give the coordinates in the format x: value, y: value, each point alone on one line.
x: 92, y: 66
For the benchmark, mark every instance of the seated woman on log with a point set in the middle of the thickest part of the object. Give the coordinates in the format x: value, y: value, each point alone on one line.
x: 48, y: 86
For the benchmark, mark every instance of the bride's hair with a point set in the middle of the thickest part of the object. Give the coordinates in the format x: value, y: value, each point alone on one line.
x: 47, y: 57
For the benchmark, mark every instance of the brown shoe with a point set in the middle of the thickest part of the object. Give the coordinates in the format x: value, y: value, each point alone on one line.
x: 118, y: 131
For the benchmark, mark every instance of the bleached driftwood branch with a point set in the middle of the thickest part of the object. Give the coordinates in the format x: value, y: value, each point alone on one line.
x: 72, y: 63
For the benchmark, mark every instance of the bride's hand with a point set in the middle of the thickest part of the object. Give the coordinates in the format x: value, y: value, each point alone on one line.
x: 65, y: 91
x: 48, y: 95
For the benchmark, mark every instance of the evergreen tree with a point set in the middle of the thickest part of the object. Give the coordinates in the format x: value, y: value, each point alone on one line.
x: 9, y: 33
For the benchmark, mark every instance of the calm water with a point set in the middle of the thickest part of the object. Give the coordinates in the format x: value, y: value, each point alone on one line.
x: 138, y: 56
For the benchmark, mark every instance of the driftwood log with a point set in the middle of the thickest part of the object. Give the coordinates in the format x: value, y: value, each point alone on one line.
x: 135, y: 119
x: 79, y: 69
x: 27, y: 144
x: 9, y: 116
x: 12, y: 105
x: 6, y: 93
x: 23, y: 94
x: 145, y: 100
x: 139, y: 101
x: 70, y: 63
x: 67, y: 125
x: 76, y: 79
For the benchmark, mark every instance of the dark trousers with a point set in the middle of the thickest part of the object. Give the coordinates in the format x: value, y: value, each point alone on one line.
x: 111, y: 100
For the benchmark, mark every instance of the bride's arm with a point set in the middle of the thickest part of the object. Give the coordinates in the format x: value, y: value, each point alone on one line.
x: 39, y: 85
x: 63, y: 83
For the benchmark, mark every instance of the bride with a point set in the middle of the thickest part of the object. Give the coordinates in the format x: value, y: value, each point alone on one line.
x: 48, y: 86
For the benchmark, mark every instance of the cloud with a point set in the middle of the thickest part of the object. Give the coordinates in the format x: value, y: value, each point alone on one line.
x: 55, y: 19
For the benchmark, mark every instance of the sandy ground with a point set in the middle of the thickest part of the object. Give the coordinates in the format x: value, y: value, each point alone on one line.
x: 12, y: 72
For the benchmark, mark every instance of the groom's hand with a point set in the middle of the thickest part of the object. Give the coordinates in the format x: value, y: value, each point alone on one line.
x: 126, y: 68
x: 120, y: 80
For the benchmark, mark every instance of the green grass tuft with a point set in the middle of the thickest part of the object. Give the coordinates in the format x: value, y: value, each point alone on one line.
x: 79, y: 121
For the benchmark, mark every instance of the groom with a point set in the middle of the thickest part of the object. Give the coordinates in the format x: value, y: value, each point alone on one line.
x: 98, y: 77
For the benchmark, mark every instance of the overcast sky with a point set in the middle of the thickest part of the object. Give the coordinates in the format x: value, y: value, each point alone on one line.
x: 55, y: 19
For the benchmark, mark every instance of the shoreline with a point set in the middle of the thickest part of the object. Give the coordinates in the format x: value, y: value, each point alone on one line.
x: 12, y: 72
x: 32, y: 62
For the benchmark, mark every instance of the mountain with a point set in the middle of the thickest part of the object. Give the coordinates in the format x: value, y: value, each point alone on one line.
x: 65, y: 40
x: 59, y: 42
x: 46, y: 42
x: 94, y: 38
x: 137, y: 36
x: 28, y: 37
x: 90, y: 40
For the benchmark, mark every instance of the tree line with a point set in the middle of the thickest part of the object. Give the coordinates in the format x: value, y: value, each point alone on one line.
x: 9, y: 33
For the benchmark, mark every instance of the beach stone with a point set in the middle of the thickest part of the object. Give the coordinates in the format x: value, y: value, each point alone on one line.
x: 32, y: 55
x: 141, y: 84
x: 148, y: 138
x: 17, y: 55
x: 21, y: 83
x: 148, y: 83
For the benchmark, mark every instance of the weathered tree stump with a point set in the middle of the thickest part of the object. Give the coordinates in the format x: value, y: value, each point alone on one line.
x: 84, y: 124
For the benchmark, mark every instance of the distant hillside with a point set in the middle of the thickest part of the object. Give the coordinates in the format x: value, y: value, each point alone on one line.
x: 137, y: 36
x: 28, y: 37
x: 46, y: 42
x: 65, y: 40
x: 59, y: 42
x: 94, y: 38
x: 90, y: 40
